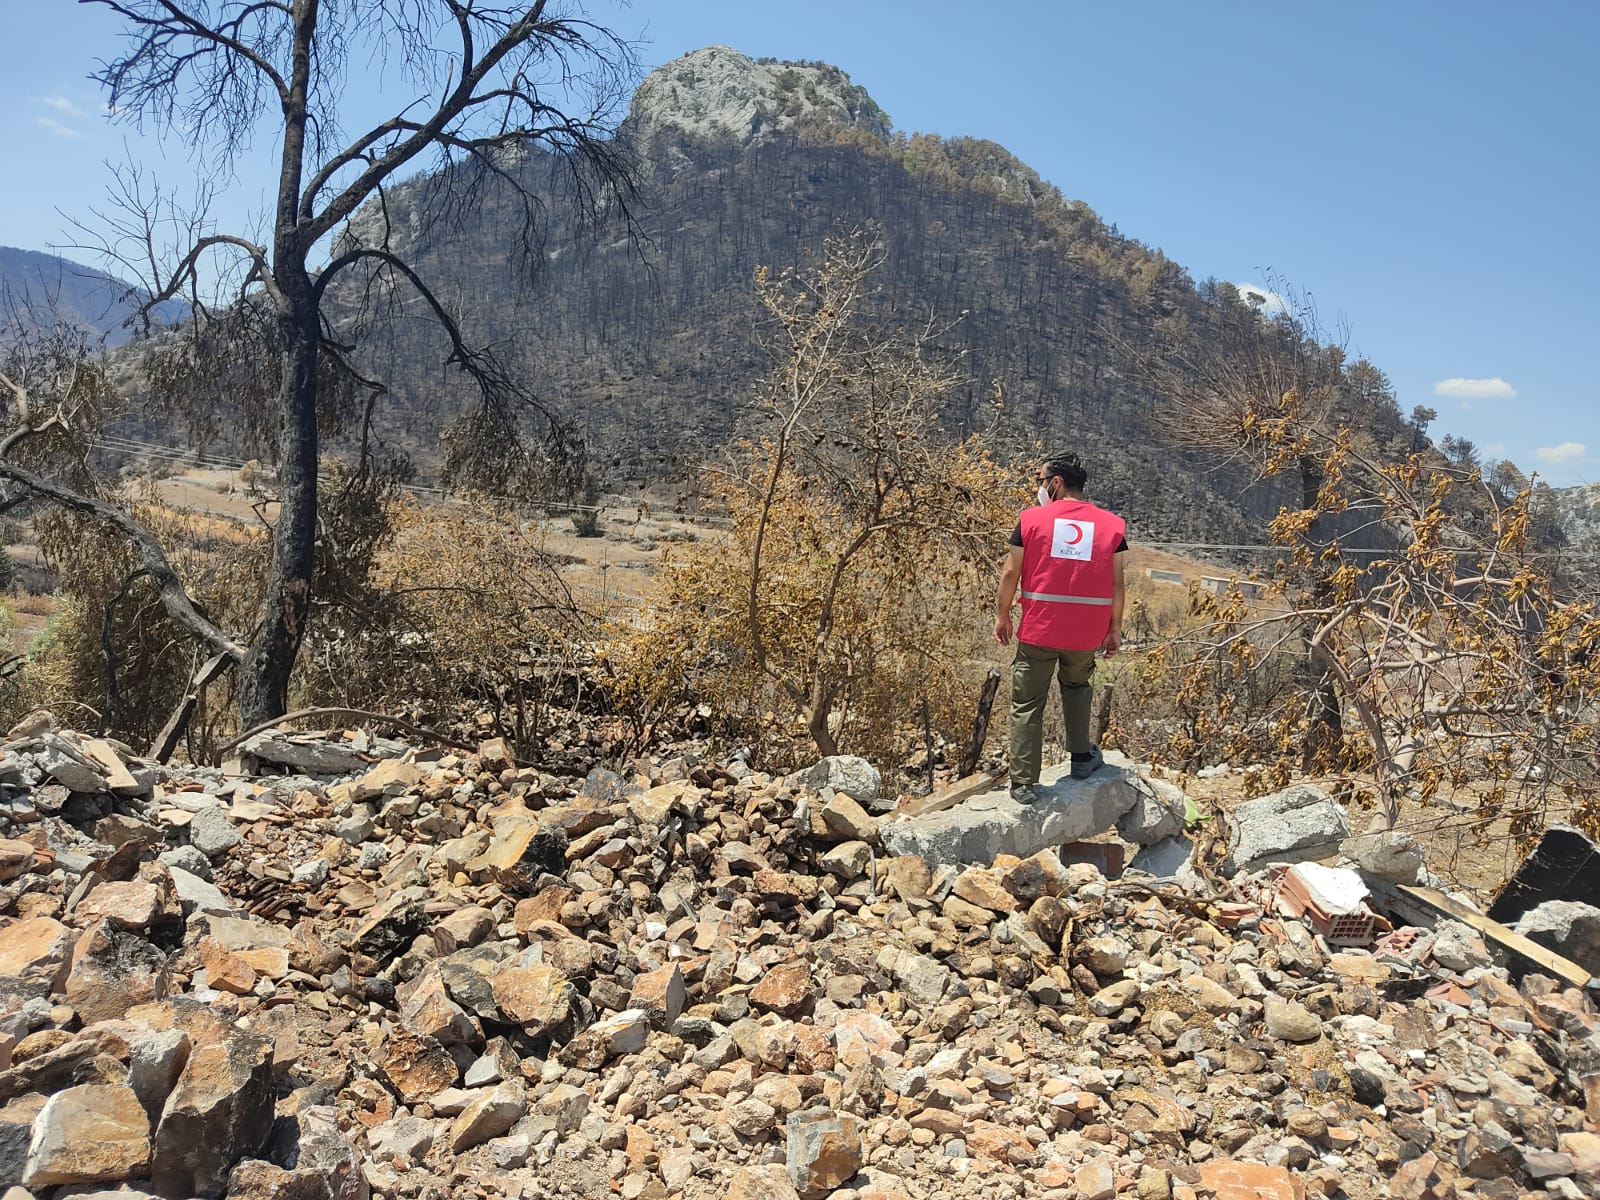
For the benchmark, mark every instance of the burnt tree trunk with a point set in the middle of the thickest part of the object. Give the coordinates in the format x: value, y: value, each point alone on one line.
x: 264, y: 678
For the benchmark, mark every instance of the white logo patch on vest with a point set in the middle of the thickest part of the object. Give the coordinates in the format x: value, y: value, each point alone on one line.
x: 1073, y: 539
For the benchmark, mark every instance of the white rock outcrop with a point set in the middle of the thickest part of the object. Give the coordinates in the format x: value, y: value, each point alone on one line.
x: 719, y: 93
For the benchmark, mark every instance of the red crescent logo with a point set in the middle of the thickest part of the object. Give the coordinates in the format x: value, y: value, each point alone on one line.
x: 1077, y: 533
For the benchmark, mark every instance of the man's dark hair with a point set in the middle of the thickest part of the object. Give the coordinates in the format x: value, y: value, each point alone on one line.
x: 1073, y: 473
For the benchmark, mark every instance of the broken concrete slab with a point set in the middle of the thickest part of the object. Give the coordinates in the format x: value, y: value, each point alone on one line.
x: 1299, y: 824
x: 1389, y: 854
x: 855, y: 777
x: 1569, y: 927
x: 1166, y: 858
x: 1565, y: 865
x: 1158, y: 811
x: 1067, y: 810
x: 310, y: 753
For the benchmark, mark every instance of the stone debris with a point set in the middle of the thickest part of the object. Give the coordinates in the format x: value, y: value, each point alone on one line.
x: 417, y: 974
x: 1302, y: 823
x: 1067, y: 810
x: 1569, y: 927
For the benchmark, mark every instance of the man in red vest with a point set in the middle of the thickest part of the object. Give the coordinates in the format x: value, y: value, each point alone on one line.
x: 1068, y: 557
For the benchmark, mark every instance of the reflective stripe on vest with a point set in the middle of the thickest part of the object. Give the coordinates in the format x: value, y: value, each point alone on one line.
x: 1105, y: 600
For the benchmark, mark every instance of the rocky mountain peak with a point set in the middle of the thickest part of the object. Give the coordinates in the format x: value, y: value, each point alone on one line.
x: 719, y: 93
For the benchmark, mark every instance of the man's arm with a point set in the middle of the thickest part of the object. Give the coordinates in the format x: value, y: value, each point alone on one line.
x: 1010, y: 575
x: 1113, y: 641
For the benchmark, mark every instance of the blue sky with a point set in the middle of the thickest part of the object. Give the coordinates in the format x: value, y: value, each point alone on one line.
x: 1428, y: 171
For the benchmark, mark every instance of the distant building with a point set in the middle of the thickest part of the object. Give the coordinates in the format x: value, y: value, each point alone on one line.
x: 1220, y: 584
x: 1157, y: 576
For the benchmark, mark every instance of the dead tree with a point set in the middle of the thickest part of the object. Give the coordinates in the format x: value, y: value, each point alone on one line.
x: 1266, y: 394
x: 484, y: 84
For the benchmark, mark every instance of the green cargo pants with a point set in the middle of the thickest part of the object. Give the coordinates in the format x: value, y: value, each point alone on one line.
x: 1031, y: 670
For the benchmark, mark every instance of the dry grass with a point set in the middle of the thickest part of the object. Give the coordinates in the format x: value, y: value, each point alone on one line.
x: 34, y: 604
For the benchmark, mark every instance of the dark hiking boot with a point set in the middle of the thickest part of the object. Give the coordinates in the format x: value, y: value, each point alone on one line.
x: 1024, y: 793
x: 1082, y: 769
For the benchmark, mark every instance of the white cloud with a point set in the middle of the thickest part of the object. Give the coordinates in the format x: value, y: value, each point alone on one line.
x: 62, y: 105
x: 1566, y: 452
x: 57, y: 128
x: 1476, y: 389
x: 1269, y: 302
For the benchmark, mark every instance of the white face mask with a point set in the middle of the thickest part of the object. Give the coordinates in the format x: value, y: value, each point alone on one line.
x: 1044, y: 493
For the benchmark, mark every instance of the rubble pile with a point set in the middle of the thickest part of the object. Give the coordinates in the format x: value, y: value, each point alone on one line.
x: 440, y: 974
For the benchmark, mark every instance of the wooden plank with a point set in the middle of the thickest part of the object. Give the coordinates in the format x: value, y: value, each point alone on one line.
x: 1424, y: 906
x: 166, y: 742
x: 952, y: 794
x: 111, y: 764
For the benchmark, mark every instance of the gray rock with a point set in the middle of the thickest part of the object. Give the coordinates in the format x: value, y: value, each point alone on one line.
x: 155, y: 1060
x: 187, y: 858
x: 1299, y: 824
x: 1165, y: 858
x: 489, y: 1115
x: 855, y: 777
x: 1390, y: 854
x: 69, y: 768
x: 823, y: 1152
x: 16, y: 1131
x: 1569, y: 927
x: 1110, y: 1001
x: 750, y: 1117
x: 219, y: 1112
x: 511, y: 1151
x: 328, y: 1157
x: 356, y: 828
x: 409, y: 1138
x: 312, y: 872
x: 720, y: 94
x: 847, y: 820
x: 1157, y: 813
x: 1106, y: 956
x: 992, y: 823
x: 921, y: 978
x: 196, y: 895
x: 1291, y: 1021
x: 848, y: 860
x: 309, y: 754
x: 1456, y: 947
x: 93, y: 1133
x: 211, y: 831
x: 485, y: 1072
x: 372, y: 856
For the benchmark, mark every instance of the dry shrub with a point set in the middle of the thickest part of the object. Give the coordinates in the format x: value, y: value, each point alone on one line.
x: 853, y: 641
x: 110, y: 658
x: 462, y: 608
x: 1462, y: 665
x: 434, y: 609
x: 859, y: 567
x: 1182, y: 704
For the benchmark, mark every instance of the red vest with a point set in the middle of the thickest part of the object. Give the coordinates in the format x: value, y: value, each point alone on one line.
x: 1067, y: 549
